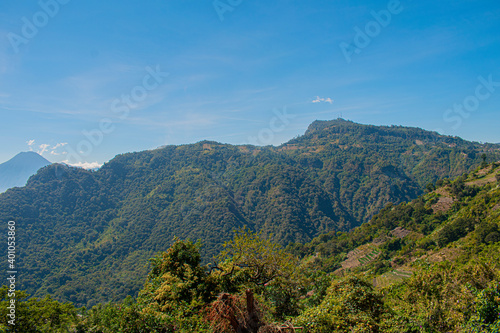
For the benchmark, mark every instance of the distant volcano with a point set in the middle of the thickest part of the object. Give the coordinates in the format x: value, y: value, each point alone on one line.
x: 16, y: 171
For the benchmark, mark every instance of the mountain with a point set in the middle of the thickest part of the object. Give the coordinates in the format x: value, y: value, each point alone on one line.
x: 467, y: 207
x: 435, y: 260
x: 429, y: 265
x: 87, y: 235
x: 16, y: 171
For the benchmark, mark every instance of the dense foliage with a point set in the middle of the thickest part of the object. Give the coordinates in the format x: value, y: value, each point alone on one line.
x: 429, y: 265
x: 86, y: 237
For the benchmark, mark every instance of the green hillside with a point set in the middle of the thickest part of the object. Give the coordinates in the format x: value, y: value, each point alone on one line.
x: 429, y: 265
x: 434, y: 262
x: 86, y: 237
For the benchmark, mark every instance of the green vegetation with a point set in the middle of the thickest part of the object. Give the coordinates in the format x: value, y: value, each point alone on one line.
x: 427, y: 267
x: 87, y: 236
x: 36, y: 315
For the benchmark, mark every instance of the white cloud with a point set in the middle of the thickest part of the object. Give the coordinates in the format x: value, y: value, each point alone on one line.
x: 43, y: 148
x: 57, y: 146
x: 62, y: 144
x: 30, y: 143
x: 326, y: 100
x: 84, y: 165
x: 46, y: 147
x: 53, y: 152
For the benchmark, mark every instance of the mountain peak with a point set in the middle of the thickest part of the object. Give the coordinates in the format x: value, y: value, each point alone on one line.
x: 319, y: 125
x: 28, y: 156
x: 16, y: 171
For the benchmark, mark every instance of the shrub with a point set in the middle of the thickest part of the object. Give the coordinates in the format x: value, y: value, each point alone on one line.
x: 351, y: 305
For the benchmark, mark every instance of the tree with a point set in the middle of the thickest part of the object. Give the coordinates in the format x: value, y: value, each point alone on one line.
x: 177, y: 283
x: 250, y: 261
x: 351, y: 305
x: 454, y: 231
x: 483, y: 163
x: 486, y: 315
x: 255, y: 259
x: 487, y: 232
x: 35, y: 314
x: 126, y: 316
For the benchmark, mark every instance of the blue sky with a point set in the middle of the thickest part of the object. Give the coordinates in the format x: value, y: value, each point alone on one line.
x: 82, y: 81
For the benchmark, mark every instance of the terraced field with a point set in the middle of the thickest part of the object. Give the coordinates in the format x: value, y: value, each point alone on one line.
x: 391, y: 277
x: 360, y: 256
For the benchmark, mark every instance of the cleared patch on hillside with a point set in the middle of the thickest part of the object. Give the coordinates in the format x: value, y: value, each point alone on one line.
x: 394, y: 276
x: 360, y: 256
x: 486, y: 176
x: 445, y: 201
x: 289, y: 147
x: 400, y: 232
x: 443, y: 205
x: 449, y: 254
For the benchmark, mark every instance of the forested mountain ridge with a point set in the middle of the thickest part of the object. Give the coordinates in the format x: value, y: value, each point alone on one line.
x: 86, y: 236
x: 429, y: 265
x: 373, y: 165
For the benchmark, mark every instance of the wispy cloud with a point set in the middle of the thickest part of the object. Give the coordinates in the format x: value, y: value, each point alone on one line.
x: 43, y: 148
x: 62, y: 144
x: 84, y: 95
x: 325, y: 100
x: 30, y: 144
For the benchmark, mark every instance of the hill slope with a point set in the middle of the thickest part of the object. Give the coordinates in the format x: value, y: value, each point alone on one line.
x: 436, y: 265
x: 464, y: 212
x: 99, y: 228
x: 17, y: 170
x: 430, y: 265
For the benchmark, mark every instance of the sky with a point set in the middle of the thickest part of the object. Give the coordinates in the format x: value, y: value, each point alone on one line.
x: 83, y: 81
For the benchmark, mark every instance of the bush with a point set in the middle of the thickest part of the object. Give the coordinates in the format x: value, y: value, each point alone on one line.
x: 351, y: 305
x: 393, y: 245
x: 487, y: 233
x: 486, y: 317
x: 492, y: 237
x: 454, y: 231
